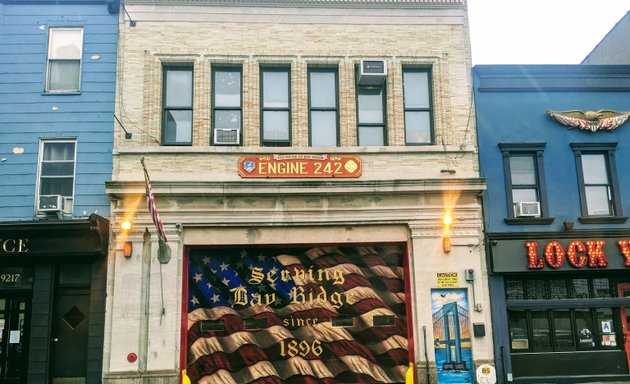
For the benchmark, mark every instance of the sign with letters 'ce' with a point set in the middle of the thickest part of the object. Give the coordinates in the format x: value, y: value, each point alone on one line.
x: 299, y: 165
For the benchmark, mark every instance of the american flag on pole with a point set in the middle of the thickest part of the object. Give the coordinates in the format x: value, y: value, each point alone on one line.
x: 297, y: 338
x: 151, y: 204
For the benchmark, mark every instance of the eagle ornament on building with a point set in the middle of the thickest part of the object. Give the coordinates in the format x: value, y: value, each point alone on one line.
x: 593, y: 121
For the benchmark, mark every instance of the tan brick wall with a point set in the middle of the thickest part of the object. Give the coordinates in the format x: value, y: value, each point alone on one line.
x: 150, y: 45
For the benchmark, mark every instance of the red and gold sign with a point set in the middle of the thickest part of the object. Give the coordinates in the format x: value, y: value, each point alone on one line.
x: 302, y: 165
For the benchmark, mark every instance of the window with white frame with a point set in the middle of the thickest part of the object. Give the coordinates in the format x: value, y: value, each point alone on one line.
x: 525, y: 185
x: 597, y: 181
x: 57, y: 161
x: 65, y: 48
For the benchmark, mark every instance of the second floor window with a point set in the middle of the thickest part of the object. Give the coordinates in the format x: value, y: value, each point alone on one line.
x: 65, y: 48
x: 597, y: 179
x: 275, y: 106
x: 177, y: 105
x: 226, y: 105
x: 371, y: 126
x: 56, y: 175
x: 417, y: 101
x: 323, y: 109
x: 524, y: 180
x: 597, y: 184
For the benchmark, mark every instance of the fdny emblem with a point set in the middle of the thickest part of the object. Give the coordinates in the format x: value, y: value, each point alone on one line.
x: 249, y: 166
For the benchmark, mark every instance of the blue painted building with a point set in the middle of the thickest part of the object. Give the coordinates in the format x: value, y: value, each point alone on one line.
x: 57, y: 86
x: 556, y: 219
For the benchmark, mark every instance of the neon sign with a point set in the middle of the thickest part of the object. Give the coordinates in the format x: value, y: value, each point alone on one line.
x: 577, y: 254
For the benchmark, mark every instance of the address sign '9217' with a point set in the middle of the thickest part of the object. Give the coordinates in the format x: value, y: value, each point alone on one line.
x: 299, y: 165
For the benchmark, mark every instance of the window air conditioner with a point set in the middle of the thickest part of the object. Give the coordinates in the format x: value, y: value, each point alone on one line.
x: 372, y: 72
x: 527, y: 209
x: 50, y: 203
x: 227, y: 136
x: 54, y: 204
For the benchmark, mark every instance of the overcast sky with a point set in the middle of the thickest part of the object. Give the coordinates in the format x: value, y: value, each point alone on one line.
x: 540, y: 31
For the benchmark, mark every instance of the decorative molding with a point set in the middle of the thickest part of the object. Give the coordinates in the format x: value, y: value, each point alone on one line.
x: 603, y: 219
x: 529, y: 220
x: 552, y: 78
x: 605, y: 120
x: 291, y: 187
x: 302, y: 3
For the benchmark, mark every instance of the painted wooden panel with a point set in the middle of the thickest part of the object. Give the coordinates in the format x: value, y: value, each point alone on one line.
x: 27, y: 114
x: 510, y: 105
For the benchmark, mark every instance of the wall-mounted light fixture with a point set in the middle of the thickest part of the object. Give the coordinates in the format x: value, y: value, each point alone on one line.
x: 127, y: 248
x: 446, y: 244
x: 125, y: 225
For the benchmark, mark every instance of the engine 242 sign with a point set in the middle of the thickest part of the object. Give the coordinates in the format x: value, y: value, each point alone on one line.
x: 299, y: 165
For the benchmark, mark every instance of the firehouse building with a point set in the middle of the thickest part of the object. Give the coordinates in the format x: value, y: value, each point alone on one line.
x: 315, y: 169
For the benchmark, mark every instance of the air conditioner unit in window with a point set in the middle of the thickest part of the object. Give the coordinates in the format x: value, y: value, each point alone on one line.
x: 54, y: 204
x: 227, y: 136
x: 372, y: 72
x: 527, y: 209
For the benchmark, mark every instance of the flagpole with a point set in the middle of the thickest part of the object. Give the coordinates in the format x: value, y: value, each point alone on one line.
x: 164, y: 251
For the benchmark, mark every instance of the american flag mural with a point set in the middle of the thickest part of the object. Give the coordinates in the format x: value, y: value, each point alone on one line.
x: 297, y: 315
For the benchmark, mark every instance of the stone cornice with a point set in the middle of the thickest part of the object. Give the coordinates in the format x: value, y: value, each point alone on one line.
x: 196, y: 150
x: 290, y: 187
x: 306, y: 3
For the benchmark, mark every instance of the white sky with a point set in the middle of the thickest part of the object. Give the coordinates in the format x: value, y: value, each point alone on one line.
x: 539, y: 31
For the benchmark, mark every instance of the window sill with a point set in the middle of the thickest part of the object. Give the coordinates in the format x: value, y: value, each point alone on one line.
x: 603, y: 219
x: 529, y: 220
x: 60, y: 93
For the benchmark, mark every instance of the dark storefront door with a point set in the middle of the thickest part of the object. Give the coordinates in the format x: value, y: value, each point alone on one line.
x: 624, y: 291
x: 14, y: 319
x: 69, y: 338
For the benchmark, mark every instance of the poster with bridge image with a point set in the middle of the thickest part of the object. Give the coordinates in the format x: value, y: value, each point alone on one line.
x: 275, y: 315
x: 452, y: 336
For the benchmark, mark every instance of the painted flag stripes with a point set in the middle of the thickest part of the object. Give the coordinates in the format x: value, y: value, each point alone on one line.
x: 296, y: 338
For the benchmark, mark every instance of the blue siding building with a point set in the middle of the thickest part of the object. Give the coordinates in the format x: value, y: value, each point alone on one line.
x: 554, y: 147
x: 57, y: 87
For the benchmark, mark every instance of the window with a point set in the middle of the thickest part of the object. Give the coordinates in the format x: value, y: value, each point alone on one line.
x: 65, y: 48
x: 557, y: 330
x: 597, y: 180
x: 560, y: 288
x: 371, y: 124
x: 555, y: 314
x: 323, y: 108
x: 226, y: 104
x: 525, y: 183
x: 275, y: 106
x: 178, y: 105
x: 417, y: 102
x: 56, y: 175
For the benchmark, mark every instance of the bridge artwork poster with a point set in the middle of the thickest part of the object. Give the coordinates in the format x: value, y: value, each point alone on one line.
x: 452, y: 336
